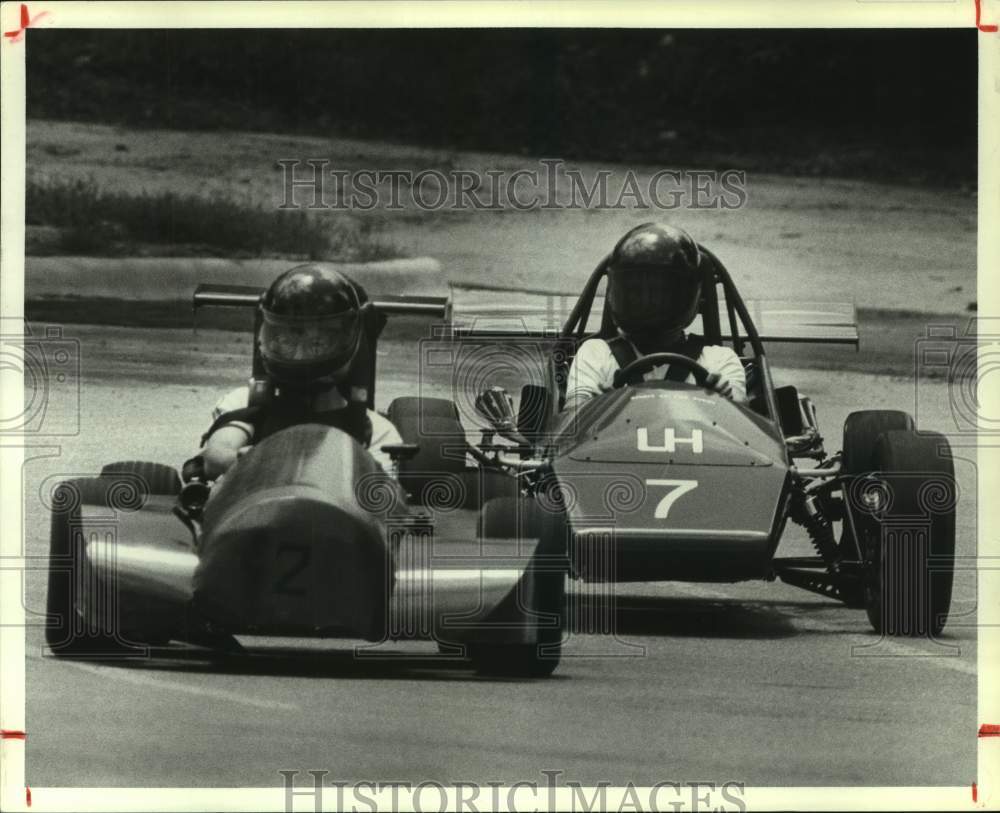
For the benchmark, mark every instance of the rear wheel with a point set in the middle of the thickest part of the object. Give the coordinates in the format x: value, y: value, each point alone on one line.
x: 432, y: 475
x: 158, y: 478
x: 540, y: 597
x: 904, y: 510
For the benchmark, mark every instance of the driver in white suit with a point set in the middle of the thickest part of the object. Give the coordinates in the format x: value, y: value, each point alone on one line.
x: 653, y: 291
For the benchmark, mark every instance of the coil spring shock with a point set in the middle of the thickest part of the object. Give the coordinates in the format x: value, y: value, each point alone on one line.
x: 820, y: 530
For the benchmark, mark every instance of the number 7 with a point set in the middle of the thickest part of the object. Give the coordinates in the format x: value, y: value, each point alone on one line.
x: 678, y: 487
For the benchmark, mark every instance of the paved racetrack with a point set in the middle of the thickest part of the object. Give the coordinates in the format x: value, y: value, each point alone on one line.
x: 759, y: 683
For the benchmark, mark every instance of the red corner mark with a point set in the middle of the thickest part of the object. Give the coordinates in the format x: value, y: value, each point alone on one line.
x: 8, y: 734
x: 989, y: 29
x: 27, y: 21
x: 989, y: 730
x: 975, y: 793
x: 27, y: 796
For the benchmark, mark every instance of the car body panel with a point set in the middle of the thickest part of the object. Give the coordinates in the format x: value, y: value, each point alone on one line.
x: 285, y: 542
x: 665, y: 481
x: 306, y: 536
x: 675, y: 422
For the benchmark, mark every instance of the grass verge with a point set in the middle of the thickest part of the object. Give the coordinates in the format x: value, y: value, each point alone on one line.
x: 76, y: 217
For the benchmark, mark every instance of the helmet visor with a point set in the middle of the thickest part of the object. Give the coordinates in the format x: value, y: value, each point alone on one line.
x: 310, y: 341
x: 645, y: 298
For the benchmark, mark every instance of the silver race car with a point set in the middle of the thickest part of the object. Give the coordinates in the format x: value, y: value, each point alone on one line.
x: 667, y: 481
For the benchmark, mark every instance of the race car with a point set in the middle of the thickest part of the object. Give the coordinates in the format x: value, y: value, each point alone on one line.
x: 304, y: 536
x: 669, y: 481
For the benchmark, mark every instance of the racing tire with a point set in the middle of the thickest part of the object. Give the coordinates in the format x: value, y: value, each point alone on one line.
x: 433, y: 474
x: 545, y: 577
x: 65, y: 632
x: 862, y: 429
x: 159, y: 479
x: 414, y: 406
x: 510, y: 518
x: 516, y: 660
x: 905, y: 514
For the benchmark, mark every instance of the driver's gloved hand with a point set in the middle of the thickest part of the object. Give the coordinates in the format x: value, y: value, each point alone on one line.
x: 193, y: 469
x: 719, y: 384
x: 195, y: 492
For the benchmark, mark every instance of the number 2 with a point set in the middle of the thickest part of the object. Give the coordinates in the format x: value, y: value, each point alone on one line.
x: 283, y: 582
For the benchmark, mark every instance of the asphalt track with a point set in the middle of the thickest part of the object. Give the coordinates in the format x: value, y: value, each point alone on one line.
x: 757, y: 682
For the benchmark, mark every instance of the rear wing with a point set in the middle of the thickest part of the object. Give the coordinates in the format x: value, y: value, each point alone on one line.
x: 248, y: 296
x: 232, y: 296
x: 503, y: 312
x: 483, y: 311
x: 780, y: 320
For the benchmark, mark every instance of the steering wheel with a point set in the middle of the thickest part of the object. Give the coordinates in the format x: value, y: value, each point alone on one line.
x: 644, y: 364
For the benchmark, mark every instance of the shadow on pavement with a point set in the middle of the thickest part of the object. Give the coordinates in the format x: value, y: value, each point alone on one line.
x: 678, y: 617
x: 621, y: 615
x: 290, y: 661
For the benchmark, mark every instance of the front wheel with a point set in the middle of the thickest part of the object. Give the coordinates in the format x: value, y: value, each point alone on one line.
x: 905, y: 512
x: 81, y: 611
x: 862, y: 429
x: 516, y: 660
x: 539, y: 599
x: 66, y: 629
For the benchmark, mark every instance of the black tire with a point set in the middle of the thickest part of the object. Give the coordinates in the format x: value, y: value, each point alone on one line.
x: 412, y: 405
x: 65, y: 635
x: 482, y: 485
x: 534, y: 411
x: 510, y: 518
x: 522, y: 518
x: 159, y: 479
x: 433, y: 425
x: 862, y: 429
x: 66, y: 569
x: 905, y: 514
x: 516, y: 660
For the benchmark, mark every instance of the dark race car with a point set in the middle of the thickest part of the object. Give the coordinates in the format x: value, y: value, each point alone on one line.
x: 304, y: 536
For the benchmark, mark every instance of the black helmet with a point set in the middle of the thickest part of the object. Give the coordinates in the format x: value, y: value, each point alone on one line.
x: 312, y: 326
x: 654, y: 279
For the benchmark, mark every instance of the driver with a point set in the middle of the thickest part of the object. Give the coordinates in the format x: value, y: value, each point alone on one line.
x: 653, y: 290
x: 311, y: 336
